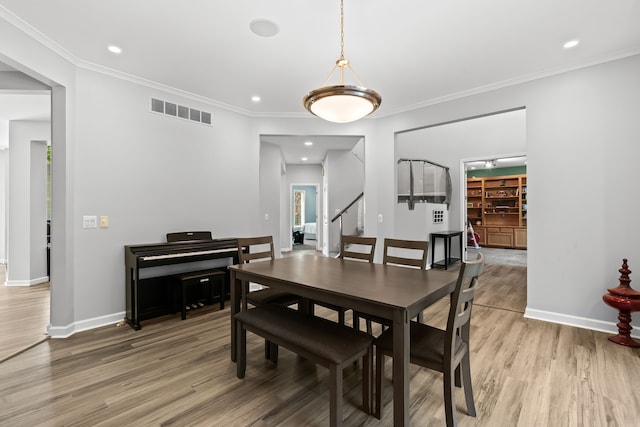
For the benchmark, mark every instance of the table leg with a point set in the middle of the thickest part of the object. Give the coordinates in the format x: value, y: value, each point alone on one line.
x: 401, y: 328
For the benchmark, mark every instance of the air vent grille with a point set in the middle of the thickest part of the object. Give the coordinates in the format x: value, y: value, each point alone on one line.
x: 180, y: 111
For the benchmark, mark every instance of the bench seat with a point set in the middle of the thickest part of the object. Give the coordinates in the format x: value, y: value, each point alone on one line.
x: 326, y: 343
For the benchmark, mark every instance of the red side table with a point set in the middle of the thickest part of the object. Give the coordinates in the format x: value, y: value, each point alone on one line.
x: 626, y: 300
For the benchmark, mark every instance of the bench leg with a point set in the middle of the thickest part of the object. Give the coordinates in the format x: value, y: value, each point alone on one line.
x: 335, y: 396
x: 184, y: 301
x: 241, y: 349
x: 221, y: 284
x: 377, y: 406
x: 367, y: 370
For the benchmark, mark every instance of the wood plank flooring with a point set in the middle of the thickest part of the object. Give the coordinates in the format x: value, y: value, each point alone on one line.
x: 172, y: 372
x: 24, y: 316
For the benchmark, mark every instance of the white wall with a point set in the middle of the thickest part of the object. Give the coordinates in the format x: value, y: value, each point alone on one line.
x: 345, y: 181
x: 581, y: 148
x: 151, y: 174
x: 4, y: 171
x: 38, y: 211
x: 27, y: 210
x: 494, y: 136
x: 271, y: 164
x: 30, y: 56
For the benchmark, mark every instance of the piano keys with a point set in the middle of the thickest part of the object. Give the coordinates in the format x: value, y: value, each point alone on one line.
x: 148, y: 268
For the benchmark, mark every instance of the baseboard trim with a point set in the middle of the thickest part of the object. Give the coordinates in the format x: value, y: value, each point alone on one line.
x: 31, y: 282
x: 578, y: 322
x: 84, y: 325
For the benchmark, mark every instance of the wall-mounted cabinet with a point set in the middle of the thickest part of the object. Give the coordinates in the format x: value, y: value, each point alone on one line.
x: 497, y: 209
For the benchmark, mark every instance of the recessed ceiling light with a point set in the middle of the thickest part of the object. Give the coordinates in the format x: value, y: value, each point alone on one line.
x: 571, y: 43
x: 114, y: 49
x: 255, y: 98
x: 264, y: 28
x: 304, y: 159
x: 308, y: 143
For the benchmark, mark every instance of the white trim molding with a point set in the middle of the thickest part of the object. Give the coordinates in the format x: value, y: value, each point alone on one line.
x: 578, y: 322
x: 31, y: 282
x: 115, y: 319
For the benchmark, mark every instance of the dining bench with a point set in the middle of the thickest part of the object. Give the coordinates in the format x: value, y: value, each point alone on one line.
x: 319, y: 340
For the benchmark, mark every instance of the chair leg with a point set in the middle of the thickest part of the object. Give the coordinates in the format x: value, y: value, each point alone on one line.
x: 341, y: 317
x: 274, y: 353
x: 468, y: 389
x: 449, y: 396
x: 458, y: 377
x: 335, y: 396
x: 377, y: 407
x: 369, y: 327
x: 267, y: 350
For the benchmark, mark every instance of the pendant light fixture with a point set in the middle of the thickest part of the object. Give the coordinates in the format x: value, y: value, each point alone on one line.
x: 342, y: 103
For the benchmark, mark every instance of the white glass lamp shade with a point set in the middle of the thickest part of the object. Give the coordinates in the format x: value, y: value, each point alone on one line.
x: 342, y: 103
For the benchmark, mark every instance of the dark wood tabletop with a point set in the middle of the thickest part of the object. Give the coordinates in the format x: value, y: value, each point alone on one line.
x: 391, y: 292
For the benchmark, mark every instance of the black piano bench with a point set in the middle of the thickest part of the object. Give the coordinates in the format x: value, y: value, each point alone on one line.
x: 199, y: 287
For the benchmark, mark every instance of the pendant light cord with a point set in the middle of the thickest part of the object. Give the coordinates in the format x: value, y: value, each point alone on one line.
x: 341, y: 29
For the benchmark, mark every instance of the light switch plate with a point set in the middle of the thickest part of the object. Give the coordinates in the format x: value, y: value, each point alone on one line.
x: 89, y: 221
x: 104, y: 221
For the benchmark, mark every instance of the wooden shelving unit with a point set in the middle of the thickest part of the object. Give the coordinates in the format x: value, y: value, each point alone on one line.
x: 497, y: 209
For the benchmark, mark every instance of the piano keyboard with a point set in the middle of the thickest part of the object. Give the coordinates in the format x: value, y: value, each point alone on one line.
x: 185, y: 254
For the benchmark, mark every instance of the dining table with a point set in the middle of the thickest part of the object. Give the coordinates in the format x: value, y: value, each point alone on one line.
x: 391, y: 292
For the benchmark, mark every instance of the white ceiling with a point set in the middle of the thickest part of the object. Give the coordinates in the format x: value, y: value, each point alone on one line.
x: 412, y: 52
x: 294, y: 149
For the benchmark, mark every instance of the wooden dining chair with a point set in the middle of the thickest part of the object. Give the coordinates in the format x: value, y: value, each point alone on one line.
x: 252, y: 249
x: 445, y: 351
x: 357, y: 248
x: 354, y: 248
x: 407, y: 253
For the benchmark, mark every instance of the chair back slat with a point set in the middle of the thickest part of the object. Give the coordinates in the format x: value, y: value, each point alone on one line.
x: 253, y: 248
x: 366, y: 246
x: 458, y: 323
x: 409, y: 249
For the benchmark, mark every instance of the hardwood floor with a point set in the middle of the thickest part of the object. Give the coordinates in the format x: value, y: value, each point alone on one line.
x: 24, y: 316
x: 172, y: 372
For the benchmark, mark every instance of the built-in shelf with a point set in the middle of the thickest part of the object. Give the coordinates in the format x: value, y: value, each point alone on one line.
x: 497, y: 210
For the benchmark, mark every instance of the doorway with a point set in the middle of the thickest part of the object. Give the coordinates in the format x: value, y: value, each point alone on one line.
x: 304, y: 217
x: 35, y: 103
x: 496, y: 208
x: 333, y: 164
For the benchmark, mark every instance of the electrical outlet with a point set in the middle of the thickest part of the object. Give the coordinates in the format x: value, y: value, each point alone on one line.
x: 104, y: 221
